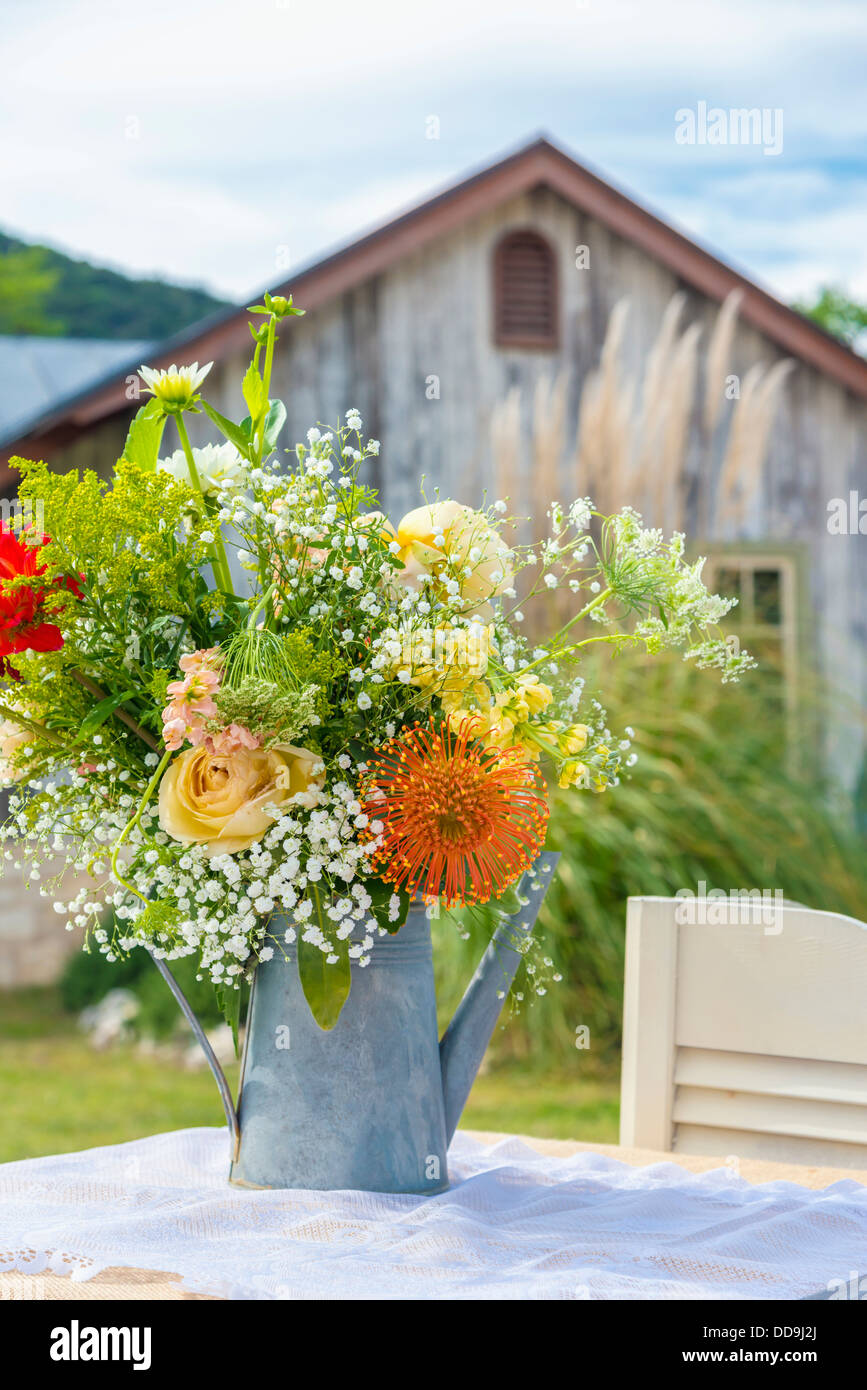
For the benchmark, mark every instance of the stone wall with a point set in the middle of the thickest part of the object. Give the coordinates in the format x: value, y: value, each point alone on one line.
x: 33, y: 942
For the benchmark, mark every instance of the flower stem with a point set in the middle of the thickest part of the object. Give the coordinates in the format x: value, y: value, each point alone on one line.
x: 555, y: 653
x: 93, y: 689
x: 131, y: 825
x: 263, y: 602
x: 31, y: 725
x: 266, y: 379
x: 588, y: 608
x: 219, y: 560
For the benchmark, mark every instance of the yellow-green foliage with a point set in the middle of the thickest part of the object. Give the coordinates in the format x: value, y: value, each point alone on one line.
x: 132, y: 537
x: 134, y: 548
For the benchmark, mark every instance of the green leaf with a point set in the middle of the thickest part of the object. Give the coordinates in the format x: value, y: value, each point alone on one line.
x: 509, y: 903
x: 253, y: 388
x: 229, y: 1003
x: 233, y: 433
x: 326, y: 987
x: 381, y: 895
x: 145, y: 435
x: 274, y: 422
x: 98, y: 715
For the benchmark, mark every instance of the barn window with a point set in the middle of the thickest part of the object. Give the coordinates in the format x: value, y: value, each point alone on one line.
x: 765, y: 618
x: 525, y: 292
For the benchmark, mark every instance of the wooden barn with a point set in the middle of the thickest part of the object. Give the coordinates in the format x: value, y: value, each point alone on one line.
x: 532, y: 331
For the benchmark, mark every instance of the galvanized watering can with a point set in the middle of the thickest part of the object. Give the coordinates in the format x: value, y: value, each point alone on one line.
x: 372, y: 1104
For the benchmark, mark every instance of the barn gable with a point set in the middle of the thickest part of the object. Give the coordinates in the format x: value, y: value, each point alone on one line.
x: 537, y: 165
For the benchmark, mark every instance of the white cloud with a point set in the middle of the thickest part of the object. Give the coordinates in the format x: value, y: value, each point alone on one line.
x: 264, y: 124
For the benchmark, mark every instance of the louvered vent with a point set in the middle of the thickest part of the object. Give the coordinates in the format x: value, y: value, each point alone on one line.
x: 525, y: 292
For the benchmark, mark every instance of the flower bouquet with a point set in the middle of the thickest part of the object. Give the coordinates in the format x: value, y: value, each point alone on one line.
x: 257, y: 720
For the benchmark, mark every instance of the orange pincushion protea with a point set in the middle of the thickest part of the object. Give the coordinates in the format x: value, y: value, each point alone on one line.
x: 460, y: 820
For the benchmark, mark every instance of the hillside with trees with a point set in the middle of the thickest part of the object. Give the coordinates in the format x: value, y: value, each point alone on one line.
x: 45, y: 292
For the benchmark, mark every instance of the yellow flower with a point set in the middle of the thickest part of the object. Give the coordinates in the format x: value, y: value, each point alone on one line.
x: 219, y: 801
x: 479, y: 720
x: 571, y: 773
x: 512, y: 707
x: 569, y: 738
x: 477, y: 692
x: 527, y: 697
x: 445, y: 659
x: 506, y: 736
x: 445, y: 539
x: 495, y: 730
x: 535, y: 694
x: 504, y: 720
x: 574, y: 739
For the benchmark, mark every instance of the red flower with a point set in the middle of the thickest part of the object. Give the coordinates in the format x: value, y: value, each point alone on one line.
x: 25, y: 611
x: 458, y: 819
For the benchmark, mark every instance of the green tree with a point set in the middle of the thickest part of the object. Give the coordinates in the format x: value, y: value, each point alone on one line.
x: 27, y: 283
x: 93, y: 302
x: 833, y: 309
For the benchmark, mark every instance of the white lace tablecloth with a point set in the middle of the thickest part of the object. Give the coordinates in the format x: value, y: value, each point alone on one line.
x: 515, y: 1225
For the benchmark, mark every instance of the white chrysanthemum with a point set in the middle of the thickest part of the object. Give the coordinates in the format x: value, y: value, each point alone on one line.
x: 219, y: 466
x: 175, y: 386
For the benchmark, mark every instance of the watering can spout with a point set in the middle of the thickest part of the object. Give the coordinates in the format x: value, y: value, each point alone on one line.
x: 465, y: 1040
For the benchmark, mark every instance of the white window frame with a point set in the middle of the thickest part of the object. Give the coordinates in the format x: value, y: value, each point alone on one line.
x: 743, y: 619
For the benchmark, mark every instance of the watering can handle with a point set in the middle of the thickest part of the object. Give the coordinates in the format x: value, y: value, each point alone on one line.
x: 210, y: 1055
x: 465, y: 1041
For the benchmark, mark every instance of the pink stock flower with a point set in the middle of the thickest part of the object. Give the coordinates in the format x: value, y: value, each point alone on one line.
x: 196, y: 661
x: 192, y: 699
x: 200, y: 706
x: 195, y: 688
x: 230, y: 740
x: 192, y: 704
x: 174, y: 731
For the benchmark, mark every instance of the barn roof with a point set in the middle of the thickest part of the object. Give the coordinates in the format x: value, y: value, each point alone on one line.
x: 539, y: 163
x: 41, y: 374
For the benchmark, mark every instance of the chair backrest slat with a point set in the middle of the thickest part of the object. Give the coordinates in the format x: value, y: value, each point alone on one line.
x: 745, y: 1036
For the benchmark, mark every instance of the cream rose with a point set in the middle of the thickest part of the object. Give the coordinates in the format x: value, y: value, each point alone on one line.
x: 448, y: 531
x: 219, y: 800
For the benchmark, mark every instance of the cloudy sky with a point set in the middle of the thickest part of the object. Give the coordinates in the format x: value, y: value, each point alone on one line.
x: 212, y: 141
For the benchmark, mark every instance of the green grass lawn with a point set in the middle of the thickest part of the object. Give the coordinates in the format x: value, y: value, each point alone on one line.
x: 58, y: 1094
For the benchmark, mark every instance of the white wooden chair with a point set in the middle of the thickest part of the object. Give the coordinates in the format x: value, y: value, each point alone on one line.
x: 745, y: 1039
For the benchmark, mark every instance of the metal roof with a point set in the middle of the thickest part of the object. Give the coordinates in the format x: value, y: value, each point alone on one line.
x: 37, y: 375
